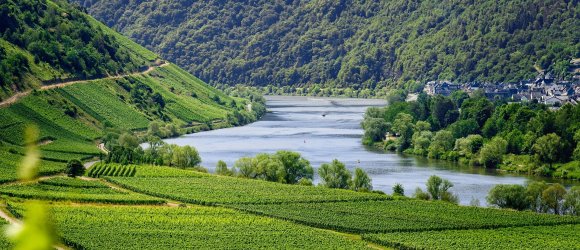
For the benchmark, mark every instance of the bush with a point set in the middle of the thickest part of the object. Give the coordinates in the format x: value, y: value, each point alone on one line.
x: 508, y: 196
x: 74, y: 168
x: 398, y: 190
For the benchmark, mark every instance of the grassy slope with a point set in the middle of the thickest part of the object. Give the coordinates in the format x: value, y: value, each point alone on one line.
x: 100, y: 103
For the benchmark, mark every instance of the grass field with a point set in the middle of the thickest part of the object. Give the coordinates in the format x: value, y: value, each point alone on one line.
x: 538, y: 237
x: 76, y: 190
x: 148, y: 227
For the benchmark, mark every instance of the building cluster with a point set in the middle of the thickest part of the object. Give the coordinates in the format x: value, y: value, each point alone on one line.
x: 543, y: 89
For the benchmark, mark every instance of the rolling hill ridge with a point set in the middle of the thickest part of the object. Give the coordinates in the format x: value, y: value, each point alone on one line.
x: 359, y: 44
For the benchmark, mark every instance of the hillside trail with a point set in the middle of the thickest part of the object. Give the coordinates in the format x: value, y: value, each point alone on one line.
x: 14, y: 98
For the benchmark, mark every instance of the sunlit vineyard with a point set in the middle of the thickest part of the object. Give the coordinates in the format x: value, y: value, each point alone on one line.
x: 9, y: 163
x: 538, y: 237
x: 211, y: 189
x: 102, y: 169
x: 75, y: 190
x: 99, y: 99
x: 401, y: 215
x: 185, y: 228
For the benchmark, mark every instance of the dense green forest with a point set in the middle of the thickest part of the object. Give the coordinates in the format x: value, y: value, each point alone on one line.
x: 44, y: 41
x: 529, y: 138
x: 360, y: 44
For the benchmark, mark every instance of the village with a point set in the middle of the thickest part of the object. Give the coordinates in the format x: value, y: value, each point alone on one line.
x: 545, y: 88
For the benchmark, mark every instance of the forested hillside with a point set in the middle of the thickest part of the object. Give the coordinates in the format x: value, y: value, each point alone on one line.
x: 354, y: 43
x: 131, y: 90
x: 44, y: 42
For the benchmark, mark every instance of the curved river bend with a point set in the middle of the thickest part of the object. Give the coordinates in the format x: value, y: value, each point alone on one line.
x: 322, y: 129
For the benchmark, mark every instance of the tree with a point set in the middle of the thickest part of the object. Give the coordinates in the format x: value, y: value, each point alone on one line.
x: 361, y: 181
x: 398, y: 189
x: 463, y: 128
x: 269, y: 167
x: 443, y: 112
x: 508, y: 196
x: 442, y: 142
x: 534, y: 192
x: 127, y: 140
x: 74, y: 168
x: 245, y: 167
x: 479, y: 109
x: 547, y: 148
x: 469, y: 145
x: 491, y: 153
x: 403, y: 127
x: 222, y: 169
x: 572, y: 201
x: 375, y: 129
x: 295, y: 166
x: 421, y: 195
x: 553, y: 196
x: 438, y: 189
x: 185, y: 157
x: 335, y: 175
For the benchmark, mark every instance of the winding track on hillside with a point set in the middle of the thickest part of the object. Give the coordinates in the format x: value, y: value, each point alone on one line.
x: 14, y: 98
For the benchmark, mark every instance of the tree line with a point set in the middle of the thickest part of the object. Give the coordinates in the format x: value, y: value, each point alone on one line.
x: 291, y: 168
x: 522, y: 137
x: 536, y: 196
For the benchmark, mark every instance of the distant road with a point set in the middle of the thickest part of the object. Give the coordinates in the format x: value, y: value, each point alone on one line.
x: 19, y: 95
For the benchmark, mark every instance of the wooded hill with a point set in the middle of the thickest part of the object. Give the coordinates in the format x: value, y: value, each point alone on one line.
x: 352, y: 43
x: 130, y: 87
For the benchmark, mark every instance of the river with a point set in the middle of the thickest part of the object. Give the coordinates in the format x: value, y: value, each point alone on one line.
x: 322, y: 129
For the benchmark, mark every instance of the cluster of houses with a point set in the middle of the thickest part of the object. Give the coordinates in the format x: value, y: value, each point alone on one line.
x: 543, y: 89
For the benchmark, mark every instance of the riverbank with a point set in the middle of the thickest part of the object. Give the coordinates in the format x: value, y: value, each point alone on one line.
x: 523, y: 165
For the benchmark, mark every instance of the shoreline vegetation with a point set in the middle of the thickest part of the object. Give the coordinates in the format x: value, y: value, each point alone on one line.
x: 524, y: 138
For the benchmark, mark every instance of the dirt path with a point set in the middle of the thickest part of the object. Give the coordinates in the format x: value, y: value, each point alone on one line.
x: 13, y: 99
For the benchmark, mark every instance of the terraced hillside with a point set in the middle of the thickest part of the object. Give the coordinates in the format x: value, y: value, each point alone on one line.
x: 74, y: 106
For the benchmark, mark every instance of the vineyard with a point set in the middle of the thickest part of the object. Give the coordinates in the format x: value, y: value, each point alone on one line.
x: 99, y: 99
x: 9, y: 163
x: 185, y: 228
x: 101, y: 169
x: 401, y: 216
x: 210, y: 190
x: 76, y: 190
x: 538, y: 237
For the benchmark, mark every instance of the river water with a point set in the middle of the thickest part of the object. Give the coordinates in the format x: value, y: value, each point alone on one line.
x: 322, y: 129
